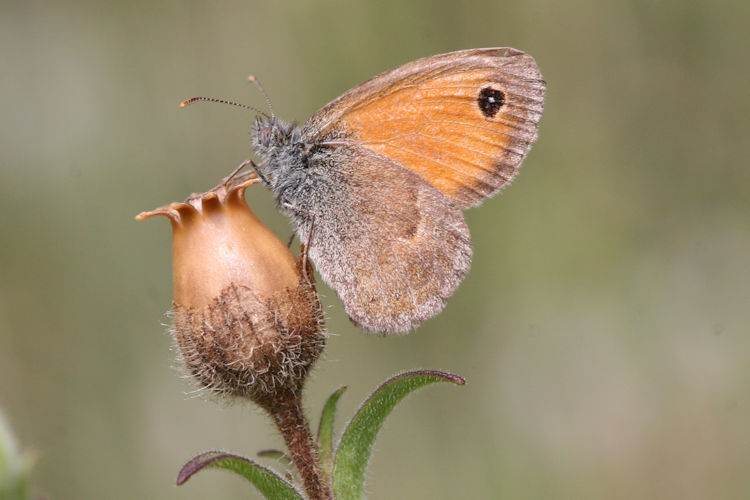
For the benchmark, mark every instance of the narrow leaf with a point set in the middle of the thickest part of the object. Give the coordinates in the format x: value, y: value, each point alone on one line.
x: 267, y: 481
x: 325, y: 431
x: 355, y: 447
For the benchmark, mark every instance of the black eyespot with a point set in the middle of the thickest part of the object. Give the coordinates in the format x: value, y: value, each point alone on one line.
x: 490, y: 101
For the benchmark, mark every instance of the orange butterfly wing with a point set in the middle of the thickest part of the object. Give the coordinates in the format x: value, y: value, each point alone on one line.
x: 464, y: 121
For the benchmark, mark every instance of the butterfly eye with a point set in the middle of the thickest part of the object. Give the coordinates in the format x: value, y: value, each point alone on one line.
x: 264, y: 135
x: 490, y: 101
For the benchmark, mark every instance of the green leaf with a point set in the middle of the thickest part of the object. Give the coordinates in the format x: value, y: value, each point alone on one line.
x: 267, y: 481
x: 325, y: 431
x: 15, y: 467
x: 355, y: 447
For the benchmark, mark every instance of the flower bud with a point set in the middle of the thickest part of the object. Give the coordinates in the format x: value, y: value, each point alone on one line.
x: 247, y: 319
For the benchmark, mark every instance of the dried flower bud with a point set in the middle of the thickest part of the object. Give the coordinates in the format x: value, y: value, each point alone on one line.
x: 247, y: 320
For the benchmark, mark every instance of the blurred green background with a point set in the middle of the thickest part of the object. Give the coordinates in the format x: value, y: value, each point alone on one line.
x: 603, y: 328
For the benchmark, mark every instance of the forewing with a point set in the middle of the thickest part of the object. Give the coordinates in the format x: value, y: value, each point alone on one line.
x: 392, y: 246
x: 464, y: 121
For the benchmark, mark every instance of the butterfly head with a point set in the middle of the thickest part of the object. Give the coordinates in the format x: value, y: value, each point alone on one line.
x: 283, y: 151
x: 270, y: 134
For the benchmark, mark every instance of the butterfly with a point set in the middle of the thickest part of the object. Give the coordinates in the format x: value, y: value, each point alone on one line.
x: 375, y: 182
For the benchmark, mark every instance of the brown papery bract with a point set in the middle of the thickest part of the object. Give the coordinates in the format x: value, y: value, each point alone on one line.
x: 247, y: 320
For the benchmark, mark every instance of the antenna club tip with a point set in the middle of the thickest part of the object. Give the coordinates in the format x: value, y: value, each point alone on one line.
x: 183, y: 104
x: 251, y: 79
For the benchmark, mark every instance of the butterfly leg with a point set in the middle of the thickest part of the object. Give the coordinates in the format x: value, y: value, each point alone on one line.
x: 304, y: 249
x: 306, y: 245
x: 259, y: 173
x: 310, y: 233
x: 236, y: 171
x: 233, y: 176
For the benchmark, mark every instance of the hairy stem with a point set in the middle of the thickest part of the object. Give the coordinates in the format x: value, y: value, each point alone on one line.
x: 291, y: 422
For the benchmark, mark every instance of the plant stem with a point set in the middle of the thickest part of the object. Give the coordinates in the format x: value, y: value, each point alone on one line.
x: 289, y: 418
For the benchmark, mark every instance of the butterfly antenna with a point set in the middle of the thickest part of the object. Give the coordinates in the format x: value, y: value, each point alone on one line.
x: 254, y: 79
x: 190, y: 101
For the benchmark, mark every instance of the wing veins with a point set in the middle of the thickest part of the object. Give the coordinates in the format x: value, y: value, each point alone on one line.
x: 471, y: 125
x: 433, y: 160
